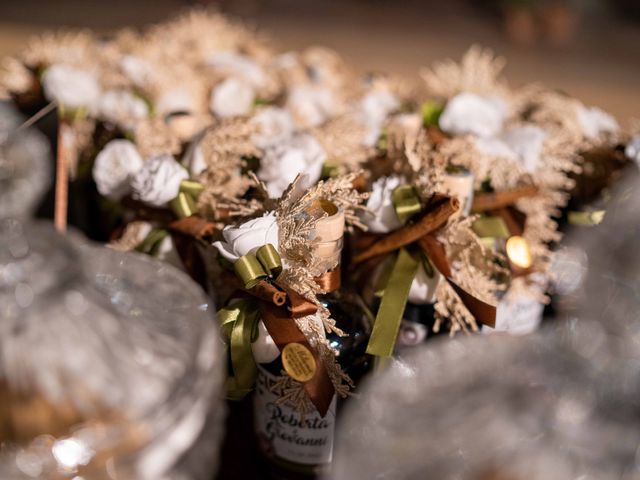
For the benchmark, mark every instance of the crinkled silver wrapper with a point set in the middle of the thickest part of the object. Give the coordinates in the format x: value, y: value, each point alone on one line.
x: 25, y: 169
x: 125, y: 342
x: 545, y: 407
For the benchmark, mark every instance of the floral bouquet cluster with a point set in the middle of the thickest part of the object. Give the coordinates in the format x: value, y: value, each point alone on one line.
x: 335, y: 218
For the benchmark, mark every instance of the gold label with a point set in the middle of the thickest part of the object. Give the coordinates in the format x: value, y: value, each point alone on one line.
x: 298, y: 362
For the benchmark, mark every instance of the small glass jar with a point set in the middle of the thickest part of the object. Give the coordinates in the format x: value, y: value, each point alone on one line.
x: 111, y: 366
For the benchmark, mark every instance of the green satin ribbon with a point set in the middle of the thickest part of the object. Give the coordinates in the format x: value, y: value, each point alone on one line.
x: 252, y: 268
x: 239, y: 323
x: 191, y: 187
x: 396, y: 293
x: 586, y: 219
x: 151, y: 243
x: 183, y: 205
x: 406, y: 202
x: 493, y: 227
x: 431, y: 112
x: 329, y: 170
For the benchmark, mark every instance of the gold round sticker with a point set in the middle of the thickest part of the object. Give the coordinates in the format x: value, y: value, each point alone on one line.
x: 298, y: 362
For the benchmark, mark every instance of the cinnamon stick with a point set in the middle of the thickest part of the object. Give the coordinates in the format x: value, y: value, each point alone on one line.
x: 193, y: 226
x: 492, y: 201
x: 430, y: 222
x: 269, y: 293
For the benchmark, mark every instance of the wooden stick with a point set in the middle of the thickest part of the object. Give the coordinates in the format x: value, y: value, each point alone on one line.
x: 492, y: 201
x: 430, y: 222
x: 62, y: 180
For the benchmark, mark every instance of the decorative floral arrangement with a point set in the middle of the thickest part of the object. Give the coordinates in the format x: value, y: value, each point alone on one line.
x: 212, y: 149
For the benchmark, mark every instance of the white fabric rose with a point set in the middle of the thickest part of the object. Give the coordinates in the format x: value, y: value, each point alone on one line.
x: 274, y: 125
x: 137, y: 69
x: 423, y: 287
x: 158, y: 181
x: 121, y: 107
x: 594, y: 121
x: 70, y: 86
x: 381, y: 217
x: 280, y: 165
x: 234, y: 65
x: 248, y: 237
x: 518, y: 316
x: 264, y: 348
x: 468, y: 113
x: 518, y: 143
x: 231, y: 98
x: 375, y: 106
x: 311, y: 106
x: 175, y: 100
x: 114, y: 168
x: 632, y: 151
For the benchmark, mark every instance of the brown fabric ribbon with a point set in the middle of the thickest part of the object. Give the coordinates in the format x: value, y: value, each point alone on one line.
x: 193, y: 226
x: 283, y: 329
x: 279, y: 306
x: 482, y: 311
x: 440, y: 208
x: 329, y: 281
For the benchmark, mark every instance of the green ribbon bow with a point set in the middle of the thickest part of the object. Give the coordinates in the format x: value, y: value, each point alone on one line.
x: 185, y: 203
x: 431, y: 112
x: 252, y: 268
x: 396, y: 290
x: 239, y: 323
x: 151, y: 243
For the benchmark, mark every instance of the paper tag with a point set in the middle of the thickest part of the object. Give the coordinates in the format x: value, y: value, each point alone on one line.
x: 298, y: 362
x: 283, y: 433
x: 518, y: 316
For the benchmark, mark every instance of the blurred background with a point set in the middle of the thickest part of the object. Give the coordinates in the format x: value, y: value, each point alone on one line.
x: 588, y: 48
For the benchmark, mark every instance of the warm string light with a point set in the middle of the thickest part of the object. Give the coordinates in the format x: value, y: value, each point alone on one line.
x: 518, y: 252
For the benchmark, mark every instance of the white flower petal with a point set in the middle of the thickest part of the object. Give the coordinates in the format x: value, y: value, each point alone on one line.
x: 274, y: 125
x: 280, y: 165
x: 71, y: 87
x: 158, y: 182
x: 231, y: 98
x: 382, y: 217
x: 595, y: 122
x: 468, y: 113
x: 240, y: 66
x: 114, y: 168
x: 632, y: 150
x: 245, y: 238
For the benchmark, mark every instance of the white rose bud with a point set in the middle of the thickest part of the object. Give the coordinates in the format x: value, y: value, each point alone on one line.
x: 239, y: 66
x: 375, y: 106
x: 274, y: 125
x: 70, y: 86
x: 632, y: 151
x: 248, y: 237
x: 310, y: 106
x: 280, y: 165
x: 137, y: 69
x: 381, y: 217
x: 114, y: 168
x: 231, y: 98
x: 121, y: 107
x: 468, y: 113
x: 423, y: 287
x: 175, y: 100
x: 158, y: 181
x: 519, y: 143
x: 594, y: 121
